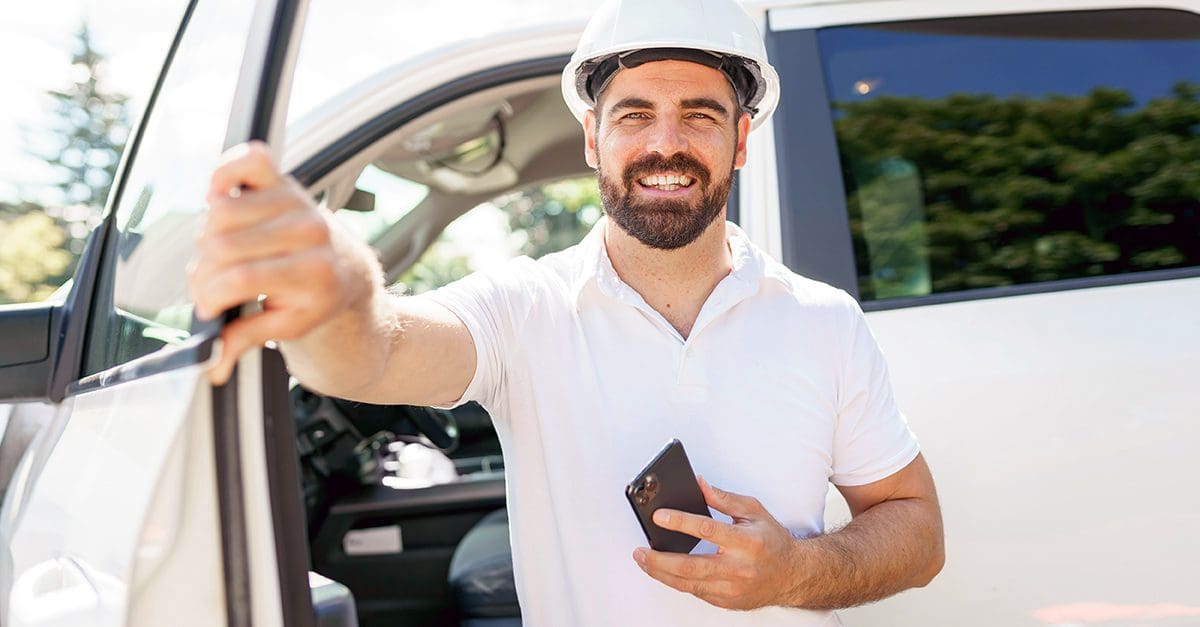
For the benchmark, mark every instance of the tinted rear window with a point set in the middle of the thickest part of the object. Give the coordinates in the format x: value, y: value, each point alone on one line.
x: 1007, y: 150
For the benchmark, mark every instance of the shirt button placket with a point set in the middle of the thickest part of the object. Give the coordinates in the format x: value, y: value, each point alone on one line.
x: 690, y: 384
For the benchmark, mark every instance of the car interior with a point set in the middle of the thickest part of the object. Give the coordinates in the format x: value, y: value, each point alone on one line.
x: 406, y: 505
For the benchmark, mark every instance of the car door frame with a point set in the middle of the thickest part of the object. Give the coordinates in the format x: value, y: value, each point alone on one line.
x: 264, y: 552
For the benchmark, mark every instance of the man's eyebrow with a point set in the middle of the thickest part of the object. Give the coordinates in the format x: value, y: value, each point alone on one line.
x: 631, y: 103
x: 705, y: 103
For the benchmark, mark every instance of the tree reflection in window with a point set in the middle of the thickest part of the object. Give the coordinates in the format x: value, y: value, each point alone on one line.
x: 1004, y: 150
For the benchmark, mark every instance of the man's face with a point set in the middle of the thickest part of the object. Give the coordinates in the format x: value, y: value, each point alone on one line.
x: 665, y: 139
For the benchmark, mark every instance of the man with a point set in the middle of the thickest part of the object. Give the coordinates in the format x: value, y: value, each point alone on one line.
x: 665, y: 322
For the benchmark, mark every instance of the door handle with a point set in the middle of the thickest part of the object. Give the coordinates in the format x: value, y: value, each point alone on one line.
x: 52, y: 593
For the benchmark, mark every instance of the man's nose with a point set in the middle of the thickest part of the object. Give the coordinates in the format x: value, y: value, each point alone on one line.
x: 666, y: 138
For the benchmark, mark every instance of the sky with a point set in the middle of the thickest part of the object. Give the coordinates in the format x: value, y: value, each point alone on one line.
x: 134, y: 33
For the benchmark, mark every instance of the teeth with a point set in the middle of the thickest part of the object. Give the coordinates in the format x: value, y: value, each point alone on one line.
x: 669, y: 182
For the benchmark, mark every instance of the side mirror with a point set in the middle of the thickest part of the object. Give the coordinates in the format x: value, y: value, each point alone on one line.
x: 26, y: 338
x: 41, y: 344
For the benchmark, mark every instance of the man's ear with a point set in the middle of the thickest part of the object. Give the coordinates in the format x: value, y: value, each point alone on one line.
x: 743, y: 129
x: 589, y: 139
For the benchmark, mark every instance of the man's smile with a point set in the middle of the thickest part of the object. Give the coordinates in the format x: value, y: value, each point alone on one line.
x: 666, y: 185
x: 667, y: 181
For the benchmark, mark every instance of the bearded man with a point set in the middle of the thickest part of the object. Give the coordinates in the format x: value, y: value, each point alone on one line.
x: 665, y: 322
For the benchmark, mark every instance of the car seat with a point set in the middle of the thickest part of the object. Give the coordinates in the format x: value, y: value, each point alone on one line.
x: 481, y: 575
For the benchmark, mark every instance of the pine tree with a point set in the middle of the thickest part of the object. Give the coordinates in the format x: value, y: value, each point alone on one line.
x: 92, y: 127
x: 40, y: 244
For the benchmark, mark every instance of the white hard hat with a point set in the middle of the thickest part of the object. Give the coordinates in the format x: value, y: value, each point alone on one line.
x: 717, y: 33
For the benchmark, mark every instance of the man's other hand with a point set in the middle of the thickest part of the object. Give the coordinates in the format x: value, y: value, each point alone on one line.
x: 755, y: 564
x: 264, y: 236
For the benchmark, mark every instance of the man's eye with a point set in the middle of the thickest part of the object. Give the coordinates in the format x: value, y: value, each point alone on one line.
x: 636, y: 115
x: 701, y: 116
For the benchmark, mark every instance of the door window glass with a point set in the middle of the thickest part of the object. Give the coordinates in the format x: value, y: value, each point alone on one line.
x: 380, y: 200
x: 143, y: 303
x: 531, y: 222
x: 1007, y: 150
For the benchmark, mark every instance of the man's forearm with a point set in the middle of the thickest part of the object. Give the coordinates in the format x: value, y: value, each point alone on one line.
x: 350, y: 350
x: 891, y: 547
x: 347, y: 353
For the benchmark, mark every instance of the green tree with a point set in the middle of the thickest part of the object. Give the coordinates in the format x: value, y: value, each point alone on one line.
x: 33, y: 260
x: 541, y: 220
x: 91, y: 126
x: 554, y: 216
x: 40, y: 245
x: 437, y: 267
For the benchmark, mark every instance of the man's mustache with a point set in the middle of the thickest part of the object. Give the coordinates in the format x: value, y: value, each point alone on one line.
x: 679, y: 162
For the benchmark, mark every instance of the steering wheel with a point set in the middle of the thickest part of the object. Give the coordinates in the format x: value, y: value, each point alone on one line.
x: 330, y: 433
x: 437, y: 424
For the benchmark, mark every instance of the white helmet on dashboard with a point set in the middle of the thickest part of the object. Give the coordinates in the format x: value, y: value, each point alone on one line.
x: 716, y: 33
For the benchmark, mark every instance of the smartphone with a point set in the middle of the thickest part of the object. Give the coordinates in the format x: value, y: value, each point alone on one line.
x: 667, y: 481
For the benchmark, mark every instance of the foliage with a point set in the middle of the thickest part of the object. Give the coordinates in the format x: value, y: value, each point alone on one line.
x: 437, y: 267
x: 40, y: 246
x: 973, y: 191
x: 33, y: 261
x: 541, y: 220
x: 554, y: 216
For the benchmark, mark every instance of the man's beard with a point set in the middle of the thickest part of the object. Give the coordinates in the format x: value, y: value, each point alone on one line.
x: 664, y: 223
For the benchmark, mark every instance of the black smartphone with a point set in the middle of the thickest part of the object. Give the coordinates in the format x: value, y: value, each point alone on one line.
x: 667, y: 481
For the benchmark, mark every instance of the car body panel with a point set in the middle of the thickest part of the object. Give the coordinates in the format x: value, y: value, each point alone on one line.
x: 1061, y: 429
x: 400, y: 83
x: 108, y: 505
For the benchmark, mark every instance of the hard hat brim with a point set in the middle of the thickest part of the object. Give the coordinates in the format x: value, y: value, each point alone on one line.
x: 579, y: 103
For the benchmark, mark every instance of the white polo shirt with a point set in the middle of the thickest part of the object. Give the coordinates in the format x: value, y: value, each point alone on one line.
x: 779, y: 390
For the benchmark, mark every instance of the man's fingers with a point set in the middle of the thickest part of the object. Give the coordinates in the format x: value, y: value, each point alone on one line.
x: 736, y: 506
x: 679, y: 564
x: 245, y: 165
x: 277, y: 276
x: 703, y: 527
x: 676, y: 571
x: 287, y: 233
x: 243, y: 334
x: 230, y: 213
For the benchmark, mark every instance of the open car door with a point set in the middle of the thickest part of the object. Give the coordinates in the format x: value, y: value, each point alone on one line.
x: 147, y: 499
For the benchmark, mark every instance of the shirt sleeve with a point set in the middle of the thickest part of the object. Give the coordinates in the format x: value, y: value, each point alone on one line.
x: 872, y: 440
x: 484, y: 302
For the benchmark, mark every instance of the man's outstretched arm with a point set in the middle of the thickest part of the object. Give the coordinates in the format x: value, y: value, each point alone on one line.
x: 340, y: 331
x: 893, y: 543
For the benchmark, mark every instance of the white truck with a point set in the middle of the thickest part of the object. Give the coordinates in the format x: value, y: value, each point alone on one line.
x: 1010, y: 189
